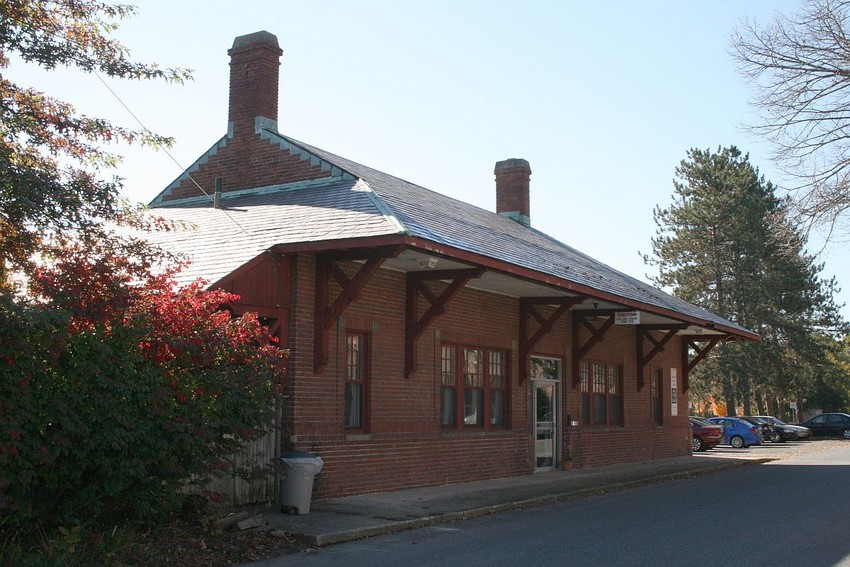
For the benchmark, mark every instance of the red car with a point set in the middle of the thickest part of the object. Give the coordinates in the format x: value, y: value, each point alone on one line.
x: 705, y: 434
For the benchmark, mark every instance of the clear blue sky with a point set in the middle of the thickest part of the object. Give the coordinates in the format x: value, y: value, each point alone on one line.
x: 603, y: 99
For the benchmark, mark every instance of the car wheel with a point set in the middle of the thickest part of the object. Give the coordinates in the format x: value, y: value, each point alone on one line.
x: 737, y: 441
x: 698, y: 444
x: 846, y: 433
x: 776, y: 437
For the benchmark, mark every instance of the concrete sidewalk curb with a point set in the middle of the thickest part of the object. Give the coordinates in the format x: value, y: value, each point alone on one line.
x: 393, y: 526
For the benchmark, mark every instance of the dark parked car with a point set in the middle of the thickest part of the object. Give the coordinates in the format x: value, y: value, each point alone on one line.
x: 705, y: 434
x: 829, y: 425
x: 766, y: 428
x: 787, y: 430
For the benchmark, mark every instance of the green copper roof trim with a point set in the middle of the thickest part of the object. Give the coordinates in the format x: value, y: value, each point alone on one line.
x: 268, y: 131
x: 294, y: 149
x: 382, y: 207
x: 309, y: 184
x: 517, y: 216
x: 261, y: 123
x: 186, y: 174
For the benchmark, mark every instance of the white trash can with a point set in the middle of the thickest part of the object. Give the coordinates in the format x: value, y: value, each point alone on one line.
x: 296, y: 486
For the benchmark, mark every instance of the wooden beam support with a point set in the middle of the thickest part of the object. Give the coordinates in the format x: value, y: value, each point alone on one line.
x: 326, y: 314
x: 688, y: 363
x: 416, y: 284
x: 587, y: 320
x: 272, y: 317
x: 644, y: 332
x: 528, y: 306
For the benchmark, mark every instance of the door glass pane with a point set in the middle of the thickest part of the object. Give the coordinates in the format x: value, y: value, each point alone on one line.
x: 544, y: 368
x: 545, y: 425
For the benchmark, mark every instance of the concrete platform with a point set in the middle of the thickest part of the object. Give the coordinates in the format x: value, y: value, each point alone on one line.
x: 344, y: 519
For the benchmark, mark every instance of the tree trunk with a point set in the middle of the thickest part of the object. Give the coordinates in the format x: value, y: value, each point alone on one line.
x: 729, y: 396
x: 760, y: 404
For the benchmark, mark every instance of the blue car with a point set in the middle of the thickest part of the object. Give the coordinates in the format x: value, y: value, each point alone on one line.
x: 738, y: 432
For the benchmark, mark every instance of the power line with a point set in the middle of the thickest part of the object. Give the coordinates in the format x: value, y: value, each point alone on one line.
x: 182, y: 169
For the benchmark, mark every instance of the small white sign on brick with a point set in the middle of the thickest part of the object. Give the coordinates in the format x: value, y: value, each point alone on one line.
x: 627, y: 318
x: 674, y: 392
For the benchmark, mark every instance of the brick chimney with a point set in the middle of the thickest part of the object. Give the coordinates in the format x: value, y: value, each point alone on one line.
x: 254, y: 73
x: 513, y: 178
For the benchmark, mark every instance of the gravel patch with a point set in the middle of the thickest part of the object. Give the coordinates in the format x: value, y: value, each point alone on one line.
x: 775, y: 451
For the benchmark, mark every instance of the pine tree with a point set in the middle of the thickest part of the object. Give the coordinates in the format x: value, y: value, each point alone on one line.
x: 727, y: 244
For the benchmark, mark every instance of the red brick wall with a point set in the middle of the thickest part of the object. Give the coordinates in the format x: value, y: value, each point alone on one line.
x: 639, y: 438
x: 405, y: 445
x: 245, y: 162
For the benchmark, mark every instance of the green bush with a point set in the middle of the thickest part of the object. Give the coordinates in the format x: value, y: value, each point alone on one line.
x: 113, y: 399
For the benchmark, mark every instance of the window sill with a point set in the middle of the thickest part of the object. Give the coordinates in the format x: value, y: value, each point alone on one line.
x: 476, y: 432
x: 358, y: 436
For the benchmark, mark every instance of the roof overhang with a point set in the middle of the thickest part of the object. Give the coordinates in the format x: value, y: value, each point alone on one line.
x: 504, y: 278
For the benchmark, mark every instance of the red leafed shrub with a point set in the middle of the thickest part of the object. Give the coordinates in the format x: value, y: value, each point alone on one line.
x: 118, y: 387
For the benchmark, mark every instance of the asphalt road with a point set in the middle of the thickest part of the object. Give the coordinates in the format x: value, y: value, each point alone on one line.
x: 792, y: 511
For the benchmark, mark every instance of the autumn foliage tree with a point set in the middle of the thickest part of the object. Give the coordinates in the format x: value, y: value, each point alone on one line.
x: 55, y: 165
x: 114, y: 397
x: 117, y: 388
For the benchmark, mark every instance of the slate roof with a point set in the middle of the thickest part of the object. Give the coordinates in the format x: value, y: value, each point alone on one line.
x: 373, y: 204
x: 218, y: 241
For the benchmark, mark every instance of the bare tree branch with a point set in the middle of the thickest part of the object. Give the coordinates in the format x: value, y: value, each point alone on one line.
x: 800, y: 68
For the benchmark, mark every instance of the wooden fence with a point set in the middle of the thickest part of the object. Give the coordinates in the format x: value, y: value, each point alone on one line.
x: 261, y: 454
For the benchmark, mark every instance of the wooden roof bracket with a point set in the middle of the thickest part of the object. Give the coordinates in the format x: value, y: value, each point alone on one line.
x: 644, y: 332
x: 597, y: 334
x: 693, y: 342
x: 271, y: 317
x: 527, y: 306
x: 416, y: 285
x: 324, y: 313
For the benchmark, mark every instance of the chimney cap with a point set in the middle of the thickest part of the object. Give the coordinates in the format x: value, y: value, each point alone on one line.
x: 255, y: 39
x: 511, y: 164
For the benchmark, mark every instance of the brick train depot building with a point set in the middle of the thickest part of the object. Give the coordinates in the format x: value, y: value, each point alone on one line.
x: 431, y: 341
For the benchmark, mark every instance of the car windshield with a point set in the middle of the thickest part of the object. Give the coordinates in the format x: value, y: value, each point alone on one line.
x: 777, y: 421
x: 701, y: 421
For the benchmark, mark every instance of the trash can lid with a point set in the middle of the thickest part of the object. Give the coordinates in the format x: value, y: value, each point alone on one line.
x: 298, y: 455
